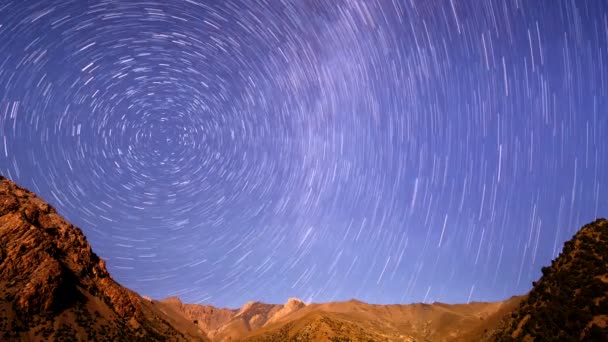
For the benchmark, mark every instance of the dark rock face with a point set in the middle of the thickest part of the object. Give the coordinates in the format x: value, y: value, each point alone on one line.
x: 570, y: 301
x: 48, y: 273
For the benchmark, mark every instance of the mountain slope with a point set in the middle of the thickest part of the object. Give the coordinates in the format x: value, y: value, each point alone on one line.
x: 570, y: 301
x: 53, y: 287
x: 347, y: 321
x: 208, y: 318
x: 357, y: 321
x: 227, y: 324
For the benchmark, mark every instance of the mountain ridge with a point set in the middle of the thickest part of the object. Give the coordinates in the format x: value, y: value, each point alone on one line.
x: 54, y: 287
x: 344, y: 320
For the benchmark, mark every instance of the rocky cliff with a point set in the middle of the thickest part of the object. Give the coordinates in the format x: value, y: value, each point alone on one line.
x: 570, y: 301
x: 53, y: 287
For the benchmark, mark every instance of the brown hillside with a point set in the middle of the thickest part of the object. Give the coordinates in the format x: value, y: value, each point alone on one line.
x: 208, y: 318
x: 570, y: 301
x: 53, y: 287
x: 227, y: 324
x: 358, y: 321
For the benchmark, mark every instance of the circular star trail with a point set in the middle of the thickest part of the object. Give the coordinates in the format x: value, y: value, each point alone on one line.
x: 392, y: 151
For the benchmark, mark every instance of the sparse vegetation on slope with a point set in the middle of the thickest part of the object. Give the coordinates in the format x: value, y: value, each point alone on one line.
x: 570, y: 301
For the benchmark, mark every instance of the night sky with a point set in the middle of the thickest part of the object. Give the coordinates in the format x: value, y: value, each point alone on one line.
x: 393, y: 151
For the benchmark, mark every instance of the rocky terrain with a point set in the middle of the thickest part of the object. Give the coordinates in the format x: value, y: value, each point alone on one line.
x: 53, y: 287
x: 346, y: 321
x: 570, y: 301
x: 357, y: 321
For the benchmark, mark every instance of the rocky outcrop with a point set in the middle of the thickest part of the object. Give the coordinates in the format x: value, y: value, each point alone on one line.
x: 570, y: 301
x: 292, y: 305
x: 52, y: 285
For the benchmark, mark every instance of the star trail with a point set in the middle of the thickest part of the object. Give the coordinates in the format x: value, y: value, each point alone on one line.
x: 391, y: 151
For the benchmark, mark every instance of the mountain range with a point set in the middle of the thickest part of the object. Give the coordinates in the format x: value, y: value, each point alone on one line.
x: 53, y: 287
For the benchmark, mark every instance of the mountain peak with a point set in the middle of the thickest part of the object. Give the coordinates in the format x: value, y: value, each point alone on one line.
x: 294, y: 302
x: 173, y: 300
x: 247, y: 306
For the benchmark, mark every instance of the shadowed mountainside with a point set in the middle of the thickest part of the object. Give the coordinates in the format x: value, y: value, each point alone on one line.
x: 53, y: 287
x: 570, y: 301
